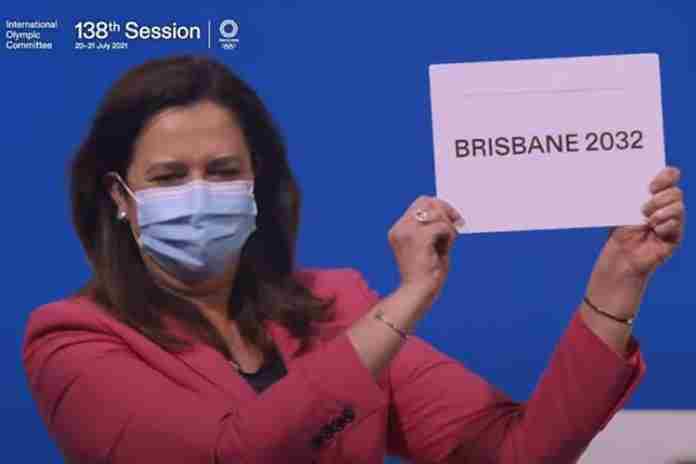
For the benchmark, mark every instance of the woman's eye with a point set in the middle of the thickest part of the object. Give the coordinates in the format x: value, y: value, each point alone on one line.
x: 164, y: 178
x: 227, y: 172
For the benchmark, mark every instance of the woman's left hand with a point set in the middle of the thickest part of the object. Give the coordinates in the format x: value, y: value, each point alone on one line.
x: 638, y: 250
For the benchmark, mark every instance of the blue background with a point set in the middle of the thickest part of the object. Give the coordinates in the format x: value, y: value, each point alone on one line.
x: 348, y: 85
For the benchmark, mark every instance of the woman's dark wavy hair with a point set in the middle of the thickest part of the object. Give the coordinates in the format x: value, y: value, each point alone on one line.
x: 265, y: 286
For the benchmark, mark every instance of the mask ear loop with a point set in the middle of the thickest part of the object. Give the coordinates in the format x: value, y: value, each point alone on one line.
x: 116, y: 176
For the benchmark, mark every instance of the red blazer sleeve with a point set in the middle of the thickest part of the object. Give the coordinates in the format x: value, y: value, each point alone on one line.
x: 103, y: 403
x: 438, y: 405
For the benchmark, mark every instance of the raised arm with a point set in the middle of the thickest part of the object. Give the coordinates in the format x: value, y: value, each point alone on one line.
x: 630, y: 257
x: 444, y: 413
x: 100, y: 400
x: 441, y: 412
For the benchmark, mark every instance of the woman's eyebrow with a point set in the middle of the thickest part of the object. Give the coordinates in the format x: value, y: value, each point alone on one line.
x: 179, y: 166
x: 223, y: 161
x: 173, y: 165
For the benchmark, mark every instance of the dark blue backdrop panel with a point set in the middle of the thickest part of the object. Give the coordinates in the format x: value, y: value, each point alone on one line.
x: 348, y: 85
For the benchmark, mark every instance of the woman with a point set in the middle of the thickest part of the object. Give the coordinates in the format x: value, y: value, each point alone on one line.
x: 198, y: 341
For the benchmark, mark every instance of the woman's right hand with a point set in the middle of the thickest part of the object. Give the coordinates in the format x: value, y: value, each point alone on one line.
x: 422, y: 249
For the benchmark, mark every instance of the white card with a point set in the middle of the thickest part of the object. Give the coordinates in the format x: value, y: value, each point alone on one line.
x: 547, y: 143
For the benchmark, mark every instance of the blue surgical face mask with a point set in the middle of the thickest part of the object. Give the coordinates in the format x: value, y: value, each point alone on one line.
x: 193, y: 231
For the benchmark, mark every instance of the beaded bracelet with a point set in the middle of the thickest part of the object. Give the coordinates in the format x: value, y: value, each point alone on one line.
x: 379, y: 316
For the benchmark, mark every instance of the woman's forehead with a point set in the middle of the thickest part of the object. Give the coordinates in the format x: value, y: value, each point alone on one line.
x: 199, y: 115
x: 190, y: 134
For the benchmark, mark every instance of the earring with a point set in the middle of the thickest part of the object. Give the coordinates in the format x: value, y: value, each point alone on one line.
x: 121, y: 215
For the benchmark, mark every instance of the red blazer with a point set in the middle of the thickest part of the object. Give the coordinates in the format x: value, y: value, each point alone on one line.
x: 108, y: 394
